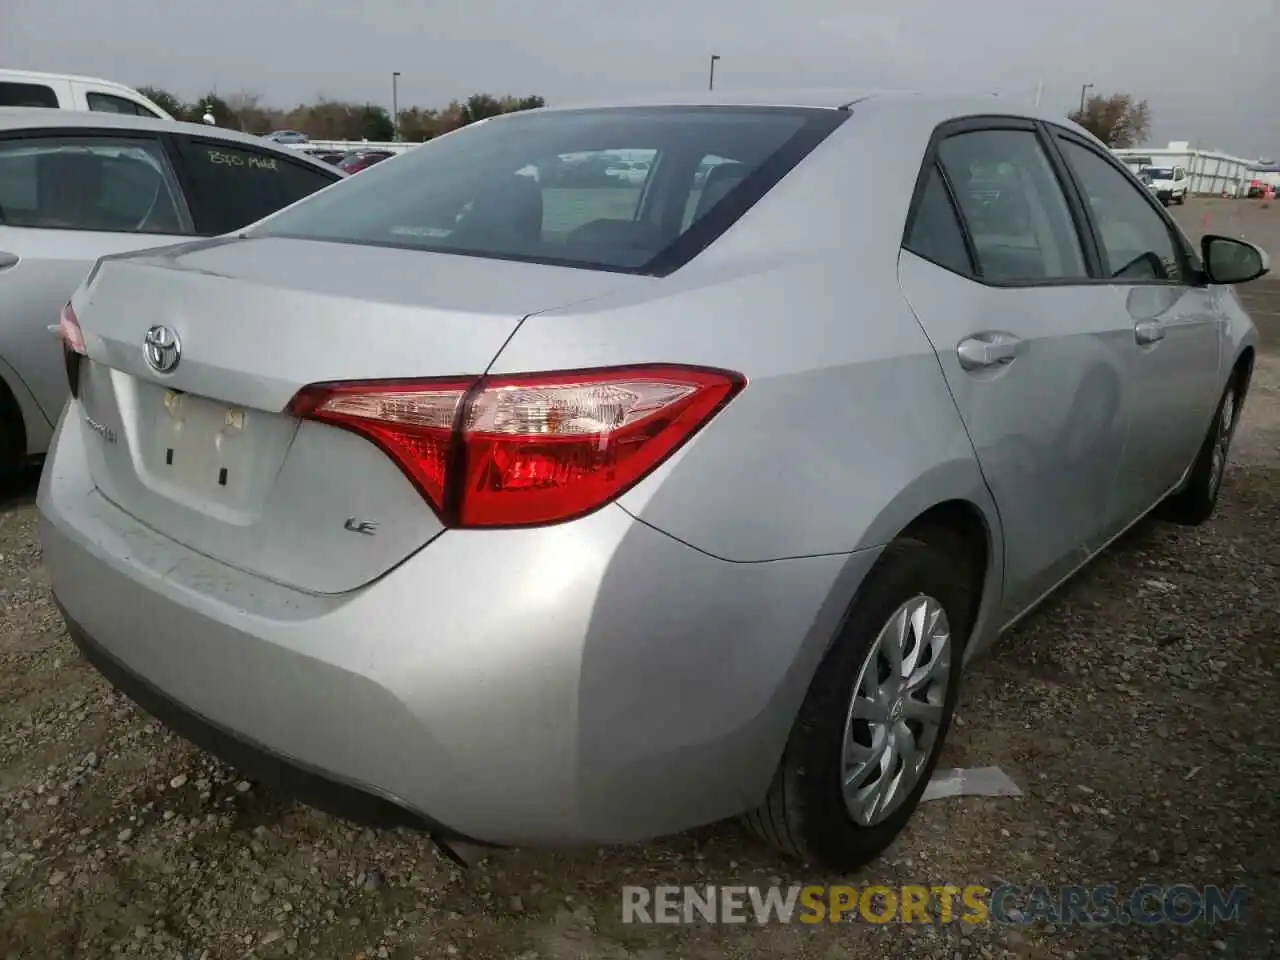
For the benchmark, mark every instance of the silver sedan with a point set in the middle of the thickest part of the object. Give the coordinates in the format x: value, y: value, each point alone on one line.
x: 499, y: 496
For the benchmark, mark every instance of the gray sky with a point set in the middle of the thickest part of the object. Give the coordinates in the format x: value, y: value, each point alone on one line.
x: 1211, y: 75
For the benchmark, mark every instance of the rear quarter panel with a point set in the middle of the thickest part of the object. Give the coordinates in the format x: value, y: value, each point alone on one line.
x: 846, y: 431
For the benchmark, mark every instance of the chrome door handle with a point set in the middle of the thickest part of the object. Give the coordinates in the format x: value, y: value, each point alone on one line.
x: 7, y: 259
x: 1148, y: 331
x: 985, y: 350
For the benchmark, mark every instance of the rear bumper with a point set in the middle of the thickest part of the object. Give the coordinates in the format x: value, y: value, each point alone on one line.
x: 592, y: 682
x: 316, y: 788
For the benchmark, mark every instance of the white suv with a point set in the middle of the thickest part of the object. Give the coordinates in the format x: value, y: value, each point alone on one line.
x: 1169, y: 184
x: 61, y: 91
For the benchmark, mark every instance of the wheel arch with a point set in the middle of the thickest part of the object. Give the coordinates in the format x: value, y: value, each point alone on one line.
x: 951, y: 507
x: 1242, y: 371
x: 20, y: 412
x: 12, y: 423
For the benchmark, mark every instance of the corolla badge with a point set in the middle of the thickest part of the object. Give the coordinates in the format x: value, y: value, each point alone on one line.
x: 101, y: 429
x: 163, y: 349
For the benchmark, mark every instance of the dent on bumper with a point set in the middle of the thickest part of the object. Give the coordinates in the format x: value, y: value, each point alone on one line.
x: 592, y: 682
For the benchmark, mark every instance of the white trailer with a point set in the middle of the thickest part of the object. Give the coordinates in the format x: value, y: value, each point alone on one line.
x: 1212, y: 172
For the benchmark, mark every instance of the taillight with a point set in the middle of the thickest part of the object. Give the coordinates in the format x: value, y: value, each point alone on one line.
x: 73, y: 351
x: 529, y: 449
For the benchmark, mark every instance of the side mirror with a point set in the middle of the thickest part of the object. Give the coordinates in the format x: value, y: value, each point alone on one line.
x: 1229, y: 261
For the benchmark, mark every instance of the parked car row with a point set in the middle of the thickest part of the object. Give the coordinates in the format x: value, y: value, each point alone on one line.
x: 524, y: 514
x: 349, y: 161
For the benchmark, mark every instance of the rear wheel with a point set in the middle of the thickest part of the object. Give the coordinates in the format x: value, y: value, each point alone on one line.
x: 1195, y: 502
x: 876, y: 715
x: 10, y: 455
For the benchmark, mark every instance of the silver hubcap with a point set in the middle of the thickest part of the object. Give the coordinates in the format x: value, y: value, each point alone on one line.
x: 896, y: 710
x: 1222, y: 441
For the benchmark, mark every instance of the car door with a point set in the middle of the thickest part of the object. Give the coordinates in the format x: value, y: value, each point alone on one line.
x: 1176, y: 326
x: 66, y: 199
x: 999, y: 268
x: 231, y: 185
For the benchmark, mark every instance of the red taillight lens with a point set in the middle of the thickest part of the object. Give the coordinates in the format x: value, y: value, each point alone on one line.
x: 73, y: 351
x: 530, y: 449
x: 412, y: 423
x: 69, y: 330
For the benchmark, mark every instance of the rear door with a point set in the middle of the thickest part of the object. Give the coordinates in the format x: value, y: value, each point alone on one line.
x: 1175, y: 326
x: 231, y: 185
x: 1002, y: 278
x: 66, y: 199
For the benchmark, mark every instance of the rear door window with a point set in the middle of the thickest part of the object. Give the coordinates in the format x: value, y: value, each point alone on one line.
x: 121, y: 185
x: 1013, y: 205
x: 27, y: 95
x: 231, y: 186
x: 109, y: 103
x: 627, y: 189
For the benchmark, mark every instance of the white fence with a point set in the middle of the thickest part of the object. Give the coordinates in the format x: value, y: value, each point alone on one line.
x: 345, y: 145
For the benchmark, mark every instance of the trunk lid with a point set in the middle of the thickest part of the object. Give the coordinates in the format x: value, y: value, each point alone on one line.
x: 205, y: 453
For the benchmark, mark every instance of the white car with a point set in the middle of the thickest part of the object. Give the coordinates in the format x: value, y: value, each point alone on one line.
x: 630, y: 171
x: 64, y: 91
x: 1169, y: 184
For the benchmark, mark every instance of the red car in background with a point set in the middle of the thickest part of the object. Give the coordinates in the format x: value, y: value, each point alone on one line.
x: 358, y: 160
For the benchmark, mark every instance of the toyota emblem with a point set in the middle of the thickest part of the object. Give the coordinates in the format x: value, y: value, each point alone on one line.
x: 163, y: 349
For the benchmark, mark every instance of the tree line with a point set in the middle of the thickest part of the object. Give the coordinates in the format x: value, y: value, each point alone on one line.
x: 328, y: 119
x: 1118, y: 119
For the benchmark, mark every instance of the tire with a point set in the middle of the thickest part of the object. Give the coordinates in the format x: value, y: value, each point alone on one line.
x: 10, y: 455
x: 805, y: 813
x: 1181, y: 199
x: 1196, y: 501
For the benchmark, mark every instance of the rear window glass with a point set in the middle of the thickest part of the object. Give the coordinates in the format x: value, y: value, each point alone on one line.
x: 626, y: 189
x: 27, y: 95
x: 107, y: 103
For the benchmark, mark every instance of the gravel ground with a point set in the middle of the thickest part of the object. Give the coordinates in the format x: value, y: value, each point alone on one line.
x: 1138, y: 710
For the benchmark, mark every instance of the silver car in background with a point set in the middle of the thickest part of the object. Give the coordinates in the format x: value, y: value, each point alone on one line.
x: 534, y: 510
x: 75, y: 186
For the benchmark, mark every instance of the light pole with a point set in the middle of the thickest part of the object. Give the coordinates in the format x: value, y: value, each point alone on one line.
x: 395, y: 105
x: 711, y: 82
x: 1084, y: 88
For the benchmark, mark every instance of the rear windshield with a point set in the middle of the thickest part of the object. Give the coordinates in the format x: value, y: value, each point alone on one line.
x: 639, y: 190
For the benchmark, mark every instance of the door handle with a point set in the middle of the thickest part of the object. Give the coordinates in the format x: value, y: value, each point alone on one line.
x: 1148, y: 331
x: 8, y: 259
x: 985, y: 350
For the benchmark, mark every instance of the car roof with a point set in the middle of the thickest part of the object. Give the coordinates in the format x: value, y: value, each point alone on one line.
x: 44, y: 75
x: 40, y: 118
x: 941, y: 103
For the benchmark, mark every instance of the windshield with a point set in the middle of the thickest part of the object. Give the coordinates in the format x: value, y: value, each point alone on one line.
x: 1158, y: 173
x: 614, y: 189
